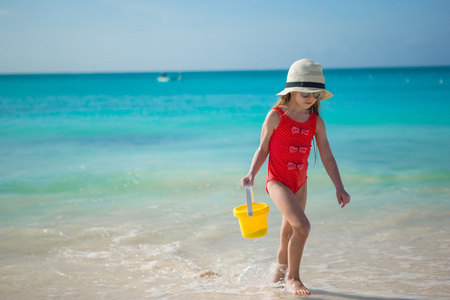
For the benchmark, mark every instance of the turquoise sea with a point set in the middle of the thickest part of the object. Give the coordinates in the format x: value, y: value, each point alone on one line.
x: 117, y: 186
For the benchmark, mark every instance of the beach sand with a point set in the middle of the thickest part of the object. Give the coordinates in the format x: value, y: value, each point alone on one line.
x: 147, y: 253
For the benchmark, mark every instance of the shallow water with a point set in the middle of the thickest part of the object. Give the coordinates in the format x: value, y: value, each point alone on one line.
x: 115, y: 186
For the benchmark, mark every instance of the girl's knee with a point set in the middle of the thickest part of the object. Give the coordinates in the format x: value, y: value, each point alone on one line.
x: 286, y: 232
x: 302, y: 228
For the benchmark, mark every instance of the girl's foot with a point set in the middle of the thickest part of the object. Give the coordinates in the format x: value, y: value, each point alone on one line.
x: 280, y: 273
x: 296, y: 287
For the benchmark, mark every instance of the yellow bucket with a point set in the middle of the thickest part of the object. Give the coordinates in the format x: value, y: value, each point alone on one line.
x: 255, y: 226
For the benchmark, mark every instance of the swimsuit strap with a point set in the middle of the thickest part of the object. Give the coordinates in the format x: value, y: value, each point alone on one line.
x: 279, y: 110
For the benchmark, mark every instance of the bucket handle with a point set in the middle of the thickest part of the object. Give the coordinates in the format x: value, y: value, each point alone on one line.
x: 249, y: 193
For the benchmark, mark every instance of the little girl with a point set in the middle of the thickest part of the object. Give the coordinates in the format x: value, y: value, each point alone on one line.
x: 286, y: 134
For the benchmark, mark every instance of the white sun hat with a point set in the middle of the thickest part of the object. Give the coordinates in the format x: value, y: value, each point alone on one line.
x: 306, y: 76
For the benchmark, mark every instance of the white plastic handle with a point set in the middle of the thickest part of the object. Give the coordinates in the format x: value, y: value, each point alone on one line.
x: 249, y: 193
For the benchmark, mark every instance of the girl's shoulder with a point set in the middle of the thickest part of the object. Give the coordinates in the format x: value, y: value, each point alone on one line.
x: 320, y: 124
x: 319, y: 119
x: 273, y: 118
x: 273, y: 114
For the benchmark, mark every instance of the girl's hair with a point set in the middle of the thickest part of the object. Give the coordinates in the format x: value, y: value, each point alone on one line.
x: 284, y: 99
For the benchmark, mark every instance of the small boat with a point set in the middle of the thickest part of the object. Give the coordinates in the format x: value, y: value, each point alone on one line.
x: 165, y: 78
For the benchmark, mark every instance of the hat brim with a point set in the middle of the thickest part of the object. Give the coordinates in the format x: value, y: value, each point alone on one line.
x: 286, y: 91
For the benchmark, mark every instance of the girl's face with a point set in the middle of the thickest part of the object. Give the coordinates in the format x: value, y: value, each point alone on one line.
x: 303, y: 99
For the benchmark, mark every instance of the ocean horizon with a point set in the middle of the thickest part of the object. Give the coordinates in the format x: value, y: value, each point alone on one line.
x: 173, y: 71
x: 115, y: 185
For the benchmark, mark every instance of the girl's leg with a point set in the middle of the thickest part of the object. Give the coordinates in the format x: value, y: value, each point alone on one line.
x: 285, y: 236
x: 282, y: 256
x: 292, y: 208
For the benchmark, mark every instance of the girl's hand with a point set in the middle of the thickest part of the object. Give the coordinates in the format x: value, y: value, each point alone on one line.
x: 247, y: 179
x: 343, y: 197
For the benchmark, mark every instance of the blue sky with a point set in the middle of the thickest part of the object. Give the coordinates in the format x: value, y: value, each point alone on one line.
x: 59, y: 36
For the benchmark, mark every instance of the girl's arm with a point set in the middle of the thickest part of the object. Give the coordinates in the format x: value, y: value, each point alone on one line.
x: 270, y: 124
x: 330, y: 163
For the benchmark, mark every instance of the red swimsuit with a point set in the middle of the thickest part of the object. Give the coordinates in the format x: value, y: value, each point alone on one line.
x: 290, y: 146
